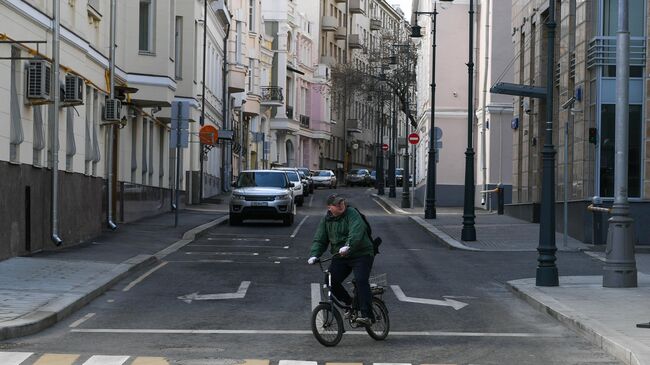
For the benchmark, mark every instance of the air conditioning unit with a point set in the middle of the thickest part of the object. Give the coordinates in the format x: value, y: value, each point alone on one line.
x: 74, y: 89
x: 113, y: 110
x: 39, y: 85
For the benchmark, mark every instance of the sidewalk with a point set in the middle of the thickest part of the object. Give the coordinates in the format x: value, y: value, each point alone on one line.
x: 40, y: 290
x: 607, y: 317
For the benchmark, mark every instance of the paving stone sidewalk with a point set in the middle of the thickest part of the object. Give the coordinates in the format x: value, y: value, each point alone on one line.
x: 38, y: 291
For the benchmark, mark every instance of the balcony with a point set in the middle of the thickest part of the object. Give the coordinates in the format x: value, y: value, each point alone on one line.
x: 602, y: 51
x: 272, y: 96
x: 322, y: 130
x: 329, y: 24
x: 355, y: 41
x: 328, y: 60
x: 352, y: 126
x: 289, y: 112
x: 375, y: 24
x: 340, y: 1
x: 356, y: 7
x: 341, y: 33
x: 304, y: 121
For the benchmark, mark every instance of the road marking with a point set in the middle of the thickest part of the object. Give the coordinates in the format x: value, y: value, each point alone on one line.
x: 201, y: 261
x: 13, y: 358
x: 308, y: 332
x: 253, y: 235
x: 143, y: 360
x: 447, y: 302
x: 57, y: 359
x: 296, y: 362
x: 224, y: 253
x: 106, y: 360
x: 143, y: 276
x: 241, y: 293
x: 311, y: 200
x: 595, y: 255
x: 315, y: 295
x: 82, y: 320
x: 256, y: 362
x: 295, y: 232
x: 382, y: 207
x: 240, y: 246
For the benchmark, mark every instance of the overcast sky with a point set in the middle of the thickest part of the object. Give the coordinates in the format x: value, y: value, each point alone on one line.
x: 405, y: 5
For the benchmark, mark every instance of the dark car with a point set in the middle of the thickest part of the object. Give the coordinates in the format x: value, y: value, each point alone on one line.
x: 358, y: 177
x: 308, y: 174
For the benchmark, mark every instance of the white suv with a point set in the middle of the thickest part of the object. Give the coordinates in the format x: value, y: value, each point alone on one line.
x: 297, y: 189
x: 262, y: 194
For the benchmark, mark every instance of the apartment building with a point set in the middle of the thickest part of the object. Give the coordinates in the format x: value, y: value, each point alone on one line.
x: 153, y: 69
x: 583, y: 130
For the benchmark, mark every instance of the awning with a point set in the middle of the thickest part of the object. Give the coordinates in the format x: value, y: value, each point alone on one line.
x: 295, y: 70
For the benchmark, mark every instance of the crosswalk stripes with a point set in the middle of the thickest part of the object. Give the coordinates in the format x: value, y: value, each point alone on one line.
x: 30, y: 358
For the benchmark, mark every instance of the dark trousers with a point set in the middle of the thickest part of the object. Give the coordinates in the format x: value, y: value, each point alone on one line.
x: 361, y: 266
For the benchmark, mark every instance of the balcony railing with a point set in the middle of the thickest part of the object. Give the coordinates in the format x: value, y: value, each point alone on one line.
x: 602, y: 51
x: 329, y: 24
x: 355, y: 41
x: 272, y: 95
x: 375, y: 24
x: 304, y: 121
x: 289, y: 112
x: 356, y: 7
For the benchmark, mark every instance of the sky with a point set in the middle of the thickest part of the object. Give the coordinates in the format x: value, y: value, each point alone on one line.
x: 405, y: 5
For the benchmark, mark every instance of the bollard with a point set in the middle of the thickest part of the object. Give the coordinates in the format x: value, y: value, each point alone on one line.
x: 500, y: 199
x: 598, y: 222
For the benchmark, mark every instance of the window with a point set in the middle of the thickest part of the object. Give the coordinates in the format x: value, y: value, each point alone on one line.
x: 607, y: 151
x: 238, y: 48
x: 146, y: 26
x: 250, y: 77
x: 178, y: 48
x: 251, y: 15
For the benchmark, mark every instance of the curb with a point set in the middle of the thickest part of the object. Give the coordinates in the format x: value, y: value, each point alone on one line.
x: 441, y: 237
x: 571, y: 319
x: 62, y: 307
x: 389, y: 205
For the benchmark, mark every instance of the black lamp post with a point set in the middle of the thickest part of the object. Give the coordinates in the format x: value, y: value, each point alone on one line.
x: 468, y: 232
x: 430, y: 204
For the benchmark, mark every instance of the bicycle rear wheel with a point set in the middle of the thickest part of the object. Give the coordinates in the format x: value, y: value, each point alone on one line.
x: 327, y: 325
x: 380, y: 328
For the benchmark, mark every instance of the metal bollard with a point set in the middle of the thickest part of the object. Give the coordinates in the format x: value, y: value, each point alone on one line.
x: 598, y: 221
x: 500, y: 199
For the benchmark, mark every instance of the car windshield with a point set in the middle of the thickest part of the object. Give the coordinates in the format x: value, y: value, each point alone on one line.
x: 356, y: 172
x: 302, y: 174
x: 323, y: 173
x: 293, y: 176
x: 374, y: 173
x: 398, y: 172
x: 262, y: 179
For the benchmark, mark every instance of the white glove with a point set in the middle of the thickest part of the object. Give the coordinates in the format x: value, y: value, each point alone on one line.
x: 344, y: 250
x: 312, y: 260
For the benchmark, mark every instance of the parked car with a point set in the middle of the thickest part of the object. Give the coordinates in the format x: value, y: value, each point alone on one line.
x: 358, y: 177
x: 304, y: 190
x: 262, y: 194
x: 308, y: 173
x: 373, y: 177
x: 325, y: 178
x: 399, y: 177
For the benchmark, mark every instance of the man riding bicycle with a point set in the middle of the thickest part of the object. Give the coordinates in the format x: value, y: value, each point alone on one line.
x: 345, y: 231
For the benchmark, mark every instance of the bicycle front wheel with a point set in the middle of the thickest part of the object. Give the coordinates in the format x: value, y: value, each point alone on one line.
x: 380, y: 328
x: 327, y: 325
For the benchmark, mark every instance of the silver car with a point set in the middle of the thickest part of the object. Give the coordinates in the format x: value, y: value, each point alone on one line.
x: 262, y: 194
x: 325, y: 178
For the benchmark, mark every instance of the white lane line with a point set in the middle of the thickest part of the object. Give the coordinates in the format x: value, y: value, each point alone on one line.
x: 382, y: 207
x: 106, y: 360
x: 311, y: 200
x: 13, y: 358
x: 240, y: 246
x: 595, y: 255
x: 254, y: 239
x: 315, y: 295
x: 201, y: 261
x: 82, y: 320
x: 447, y: 302
x: 391, y: 363
x: 295, y: 231
x: 308, y: 332
x: 241, y: 293
x: 224, y: 253
x: 143, y: 276
x: 296, y: 362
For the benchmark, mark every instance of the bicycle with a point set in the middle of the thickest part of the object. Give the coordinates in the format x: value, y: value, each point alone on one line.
x: 327, y: 322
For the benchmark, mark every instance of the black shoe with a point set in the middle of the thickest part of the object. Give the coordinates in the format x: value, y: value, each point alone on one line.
x: 365, y: 321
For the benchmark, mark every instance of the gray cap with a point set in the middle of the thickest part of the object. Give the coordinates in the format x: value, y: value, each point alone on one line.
x: 334, y: 199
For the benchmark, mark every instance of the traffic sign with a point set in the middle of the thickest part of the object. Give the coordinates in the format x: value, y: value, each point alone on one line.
x: 384, y: 147
x: 414, y: 138
x: 208, y: 135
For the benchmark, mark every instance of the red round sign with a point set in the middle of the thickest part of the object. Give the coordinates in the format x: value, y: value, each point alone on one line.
x: 414, y: 138
x: 384, y: 147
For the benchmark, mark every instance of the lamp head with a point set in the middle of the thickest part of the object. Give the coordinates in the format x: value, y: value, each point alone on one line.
x: 416, y: 31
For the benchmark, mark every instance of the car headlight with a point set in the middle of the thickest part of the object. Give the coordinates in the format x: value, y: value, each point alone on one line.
x: 282, y: 197
x: 238, y: 197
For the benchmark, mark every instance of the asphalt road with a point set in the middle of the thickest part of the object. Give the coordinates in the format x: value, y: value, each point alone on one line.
x: 173, y: 311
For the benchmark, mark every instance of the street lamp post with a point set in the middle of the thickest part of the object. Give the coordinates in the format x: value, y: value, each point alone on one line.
x: 468, y: 232
x: 430, y: 204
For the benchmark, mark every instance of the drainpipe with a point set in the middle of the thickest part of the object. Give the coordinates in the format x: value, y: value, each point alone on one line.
x: 202, y: 122
x: 226, y: 157
x: 111, y: 127
x: 55, y: 124
x: 484, y: 102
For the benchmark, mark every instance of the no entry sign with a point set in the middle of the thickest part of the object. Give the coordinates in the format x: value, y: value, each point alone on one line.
x: 414, y: 138
x: 384, y: 147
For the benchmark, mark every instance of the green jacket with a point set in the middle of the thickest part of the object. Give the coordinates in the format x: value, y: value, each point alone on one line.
x: 346, y: 229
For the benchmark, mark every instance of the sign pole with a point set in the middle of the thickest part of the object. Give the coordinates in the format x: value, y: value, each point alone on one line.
x: 178, y: 162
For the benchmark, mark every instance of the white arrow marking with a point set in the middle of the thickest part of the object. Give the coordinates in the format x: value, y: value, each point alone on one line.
x: 447, y: 302
x: 241, y: 292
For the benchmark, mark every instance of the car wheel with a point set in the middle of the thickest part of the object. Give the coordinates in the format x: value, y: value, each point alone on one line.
x: 235, y: 219
x: 288, y: 219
